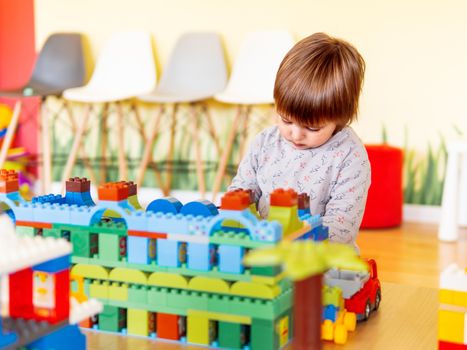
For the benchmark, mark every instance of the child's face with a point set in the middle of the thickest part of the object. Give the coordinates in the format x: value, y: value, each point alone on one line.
x: 305, y: 137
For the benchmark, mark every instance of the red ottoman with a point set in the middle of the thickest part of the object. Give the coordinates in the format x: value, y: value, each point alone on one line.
x: 385, y: 197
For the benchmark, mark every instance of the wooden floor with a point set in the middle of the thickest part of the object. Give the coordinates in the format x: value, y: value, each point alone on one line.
x: 411, y: 254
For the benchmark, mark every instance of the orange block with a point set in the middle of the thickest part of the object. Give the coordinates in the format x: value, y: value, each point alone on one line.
x: 169, y: 326
x: 284, y: 197
x: 8, y: 181
x: 113, y: 191
x: 236, y: 200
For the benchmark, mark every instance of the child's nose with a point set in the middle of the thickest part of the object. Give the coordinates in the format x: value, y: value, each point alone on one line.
x: 297, y: 132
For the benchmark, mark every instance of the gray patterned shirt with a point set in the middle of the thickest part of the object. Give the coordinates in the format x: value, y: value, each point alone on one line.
x: 336, y: 176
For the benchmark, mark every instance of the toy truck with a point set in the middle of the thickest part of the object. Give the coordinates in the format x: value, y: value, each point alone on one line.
x: 361, y: 291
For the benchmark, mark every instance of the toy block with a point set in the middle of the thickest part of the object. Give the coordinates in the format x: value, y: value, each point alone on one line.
x: 99, y: 290
x: 69, y: 335
x: 236, y: 200
x: 287, y: 216
x: 330, y: 313
x: 77, y: 184
x: 199, y: 208
x: 54, y: 265
x: 170, y: 326
x: 201, y: 256
x: 137, y: 221
x: 267, y: 231
x: 8, y: 181
x: 168, y: 223
x: 207, y: 284
x: 199, y: 330
x: 126, y: 275
x: 141, y: 250
x: 451, y: 326
x: 165, y: 205
x: 20, y: 294
x: 138, y: 294
x: 263, y: 335
x: 169, y: 280
x: 266, y: 270
x: 46, y: 211
x: 303, y: 202
x: 112, y: 319
x: 332, y: 296
x: 254, y: 290
x: 283, y: 198
x: 453, y: 297
x: 132, y: 187
x: 232, y: 335
x: 157, y: 297
x: 25, y: 231
x: 230, y: 258
x: 182, y: 300
x: 84, y: 244
x: 113, y: 191
x: 170, y: 253
x: 113, y: 247
x: 118, y: 291
x: 444, y: 345
x: 138, y: 322
x: 7, y: 339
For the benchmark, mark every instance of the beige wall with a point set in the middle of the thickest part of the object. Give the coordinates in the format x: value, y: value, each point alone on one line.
x: 416, y: 50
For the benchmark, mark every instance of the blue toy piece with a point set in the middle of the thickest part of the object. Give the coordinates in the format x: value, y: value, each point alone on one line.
x: 137, y: 221
x: 165, y: 205
x: 141, y: 250
x: 201, y: 256
x: 230, y: 258
x: 6, y: 339
x: 170, y: 253
x: 330, y: 313
x: 54, y: 265
x: 199, y: 208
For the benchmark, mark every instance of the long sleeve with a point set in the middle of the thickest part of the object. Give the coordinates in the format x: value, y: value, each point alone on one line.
x: 344, y: 210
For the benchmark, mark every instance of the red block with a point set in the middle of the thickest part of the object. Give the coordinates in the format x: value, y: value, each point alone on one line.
x: 169, y: 326
x: 444, y: 345
x: 236, y: 200
x: 20, y: 294
x: 385, y: 196
x: 284, y: 197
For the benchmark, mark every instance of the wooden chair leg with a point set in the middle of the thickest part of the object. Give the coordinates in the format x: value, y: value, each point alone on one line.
x: 76, y: 144
x: 122, y: 163
x: 147, y: 153
x: 104, y: 131
x: 10, y: 133
x: 81, y: 150
x: 199, y: 162
x: 44, y: 130
x: 169, y: 172
x: 244, y: 136
x: 212, y: 129
x: 226, y: 154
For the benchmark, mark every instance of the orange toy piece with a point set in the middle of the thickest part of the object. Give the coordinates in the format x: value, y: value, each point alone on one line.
x: 8, y: 181
x: 236, y: 200
x: 132, y: 187
x: 78, y: 184
x: 169, y: 326
x: 284, y: 197
x: 113, y: 191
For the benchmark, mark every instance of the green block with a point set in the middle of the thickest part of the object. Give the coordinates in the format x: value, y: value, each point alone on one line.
x: 109, y: 248
x: 157, y: 297
x: 263, y: 335
x: 110, y: 227
x: 332, y: 296
x: 84, y: 244
x: 138, y: 294
x: 112, y: 319
x: 230, y: 335
x: 25, y: 231
x: 266, y: 270
x: 51, y: 232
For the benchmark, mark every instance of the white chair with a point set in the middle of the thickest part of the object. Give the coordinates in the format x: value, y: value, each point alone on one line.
x: 454, y: 202
x: 195, y: 71
x: 125, y: 69
x: 251, y: 83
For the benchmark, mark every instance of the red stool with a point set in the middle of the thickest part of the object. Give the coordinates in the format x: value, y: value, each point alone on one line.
x: 385, y: 197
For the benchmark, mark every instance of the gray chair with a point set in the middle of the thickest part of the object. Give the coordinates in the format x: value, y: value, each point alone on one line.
x: 195, y: 72
x: 60, y: 65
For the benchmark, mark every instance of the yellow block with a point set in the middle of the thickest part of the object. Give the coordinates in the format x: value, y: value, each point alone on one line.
x: 118, y: 291
x: 220, y: 316
x: 122, y: 274
x: 268, y: 280
x: 137, y: 323
x: 99, y: 290
x: 453, y: 297
x: 206, y: 284
x: 170, y: 280
x: 198, y: 330
x: 451, y: 326
x: 90, y: 271
x: 255, y: 290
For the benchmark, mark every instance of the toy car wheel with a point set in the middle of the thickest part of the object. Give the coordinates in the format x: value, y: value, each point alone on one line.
x: 377, y: 299
x: 367, y: 310
x: 350, y: 321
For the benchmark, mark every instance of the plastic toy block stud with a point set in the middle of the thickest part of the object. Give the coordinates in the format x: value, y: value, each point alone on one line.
x: 236, y: 200
x: 113, y: 191
x: 284, y: 198
x: 78, y: 184
x: 8, y: 181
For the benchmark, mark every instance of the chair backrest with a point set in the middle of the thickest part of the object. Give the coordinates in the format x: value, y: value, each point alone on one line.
x: 126, y: 63
x: 60, y: 63
x: 255, y: 67
x: 196, y: 66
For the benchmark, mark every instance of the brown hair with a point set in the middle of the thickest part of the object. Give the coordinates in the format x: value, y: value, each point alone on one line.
x: 320, y: 80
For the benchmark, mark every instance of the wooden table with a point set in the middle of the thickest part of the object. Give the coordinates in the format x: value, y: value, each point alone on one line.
x: 407, y: 319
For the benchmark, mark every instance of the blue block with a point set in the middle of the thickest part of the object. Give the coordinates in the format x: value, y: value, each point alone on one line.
x: 56, y: 213
x: 201, y: 207
x: 201, y: 256
x: 230, y: 258
x: 54, y: 265
x: 330, y: 313
x: 165, y: 205
x: 69, y: 337
x: 169, y: 253
x: 168, y: 223
x: 24, y: 212
x: 137, y: 221
x: 81, y: 215
x: 141, y: 250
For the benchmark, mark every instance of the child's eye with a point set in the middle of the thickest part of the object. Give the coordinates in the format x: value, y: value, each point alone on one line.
x: 313, y: 129
x: 285, y: 121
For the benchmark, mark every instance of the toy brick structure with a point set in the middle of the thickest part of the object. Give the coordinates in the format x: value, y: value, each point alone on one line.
x: 452, y: 327
x: 175, y: 271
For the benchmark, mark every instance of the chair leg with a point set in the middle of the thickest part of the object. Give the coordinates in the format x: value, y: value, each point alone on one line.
x: 76, y: 144
x: 104, y: 142
x: 226, y: 154
x: 168, y: 183
x: 244, y: 134
x: 199, y: 163
x: 82, y: 150
x: 44, y: 130
x: 122, y: 164
x: 147, y: 153
x: 212, y: 129
x: 10, y: 133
